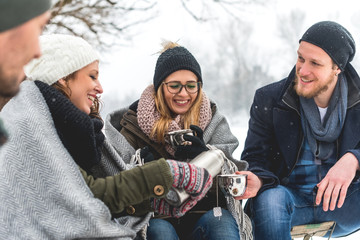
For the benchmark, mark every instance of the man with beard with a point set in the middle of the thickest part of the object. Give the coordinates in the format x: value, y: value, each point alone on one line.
x: 303, y: 142
x: 21, y: 23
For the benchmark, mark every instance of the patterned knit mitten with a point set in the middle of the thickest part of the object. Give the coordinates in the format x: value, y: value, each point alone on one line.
x: 162, y: 207
x: 194, y: 180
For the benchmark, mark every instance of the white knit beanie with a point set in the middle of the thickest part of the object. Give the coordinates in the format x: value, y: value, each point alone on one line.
x: 61, y: 56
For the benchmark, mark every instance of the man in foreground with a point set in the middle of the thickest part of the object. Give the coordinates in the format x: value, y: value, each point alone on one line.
x: 21, y: 23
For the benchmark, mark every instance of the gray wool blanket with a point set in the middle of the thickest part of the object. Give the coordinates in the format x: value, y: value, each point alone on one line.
x: 42, y: 192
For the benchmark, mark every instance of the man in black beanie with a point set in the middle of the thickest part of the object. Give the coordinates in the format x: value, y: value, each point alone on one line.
x: 21, y: 23
x: 303, y: 143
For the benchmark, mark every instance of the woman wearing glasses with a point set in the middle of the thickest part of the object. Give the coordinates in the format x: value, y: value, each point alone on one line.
x: 176, y: 101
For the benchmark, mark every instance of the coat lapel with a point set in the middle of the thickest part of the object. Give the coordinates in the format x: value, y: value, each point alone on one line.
x: 286, y: 127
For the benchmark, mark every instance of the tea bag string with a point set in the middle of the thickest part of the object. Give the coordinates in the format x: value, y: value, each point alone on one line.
x: 217, y: 191
x: 217, y: 210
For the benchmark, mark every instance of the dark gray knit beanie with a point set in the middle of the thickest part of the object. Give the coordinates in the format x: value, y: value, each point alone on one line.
x: 172, y: 60
x: 334, y: 39
x: 16, y: 12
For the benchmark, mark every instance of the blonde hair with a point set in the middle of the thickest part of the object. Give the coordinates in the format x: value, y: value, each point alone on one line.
x: 168, y: 45
x: 161, y: 126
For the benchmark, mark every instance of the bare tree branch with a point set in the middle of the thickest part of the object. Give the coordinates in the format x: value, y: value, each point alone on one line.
x: 104, y: 23
x: 230, y: 7
x: 200, y: 19
x: 290, y: 29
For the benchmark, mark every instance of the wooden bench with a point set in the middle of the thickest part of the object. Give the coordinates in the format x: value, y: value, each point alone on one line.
x: 307, y: 231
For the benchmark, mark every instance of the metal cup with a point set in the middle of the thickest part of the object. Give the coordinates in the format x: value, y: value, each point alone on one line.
x: 232, y: 184
x: 176, y: 138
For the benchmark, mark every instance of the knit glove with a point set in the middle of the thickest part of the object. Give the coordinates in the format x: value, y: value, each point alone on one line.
x: 194, y: 180
x: 146, y: 154
x: 162, y: 207
x: 196, y: 147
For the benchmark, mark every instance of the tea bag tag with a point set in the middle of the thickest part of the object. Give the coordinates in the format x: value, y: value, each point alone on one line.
x: 217, y: 210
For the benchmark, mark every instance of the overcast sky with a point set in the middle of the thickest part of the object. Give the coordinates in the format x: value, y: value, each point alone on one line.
x: 131, y: 68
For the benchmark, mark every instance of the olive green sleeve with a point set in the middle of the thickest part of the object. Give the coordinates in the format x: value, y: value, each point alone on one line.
x: 133, y: 186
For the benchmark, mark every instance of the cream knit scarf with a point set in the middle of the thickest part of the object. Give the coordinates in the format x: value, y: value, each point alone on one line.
x: 148, y: 115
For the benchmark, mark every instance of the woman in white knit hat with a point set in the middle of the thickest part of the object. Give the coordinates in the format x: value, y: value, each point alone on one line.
x: 58, y: 164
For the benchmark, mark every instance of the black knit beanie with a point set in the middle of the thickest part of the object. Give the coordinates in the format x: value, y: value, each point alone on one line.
x: 334, y: 39
x: 16, y: 12
x: 172, y: 60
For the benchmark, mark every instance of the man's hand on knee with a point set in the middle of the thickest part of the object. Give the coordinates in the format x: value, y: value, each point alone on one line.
x: 333, y: 187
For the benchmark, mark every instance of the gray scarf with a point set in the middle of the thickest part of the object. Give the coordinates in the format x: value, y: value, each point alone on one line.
x: 321, y: 136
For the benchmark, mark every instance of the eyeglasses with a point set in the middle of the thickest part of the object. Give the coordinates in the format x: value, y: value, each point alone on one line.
x: 176, y: 87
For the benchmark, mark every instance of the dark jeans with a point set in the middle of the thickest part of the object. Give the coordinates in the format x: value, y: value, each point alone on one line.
x: 206, y: 227
x: 275, y: 211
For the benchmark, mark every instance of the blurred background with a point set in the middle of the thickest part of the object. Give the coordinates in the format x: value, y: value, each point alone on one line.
x: 241, y: 45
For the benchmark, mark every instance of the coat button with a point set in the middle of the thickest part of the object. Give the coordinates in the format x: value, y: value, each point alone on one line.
x: 285, y: 181
x: 158, y: 190
x: 130, y: 210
